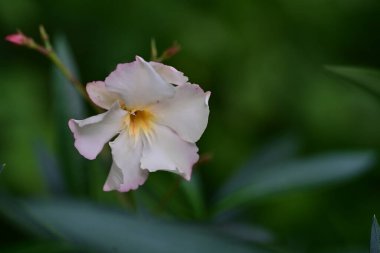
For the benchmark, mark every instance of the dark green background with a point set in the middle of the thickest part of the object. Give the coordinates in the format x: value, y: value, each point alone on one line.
x: 264, y: 63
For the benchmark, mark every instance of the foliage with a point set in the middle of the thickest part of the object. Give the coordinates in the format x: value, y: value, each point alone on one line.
x: 310, y: 191
x: 375, y: 236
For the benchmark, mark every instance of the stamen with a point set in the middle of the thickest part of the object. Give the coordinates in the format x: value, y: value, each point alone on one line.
x: 138, y: 122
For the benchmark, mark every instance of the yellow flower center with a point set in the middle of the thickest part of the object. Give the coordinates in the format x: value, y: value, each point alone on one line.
x: 137, y: 121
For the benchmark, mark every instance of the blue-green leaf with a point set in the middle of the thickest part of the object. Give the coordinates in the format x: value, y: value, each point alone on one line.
x: 40, y: 247
x: 50, y: 169
x: 375, y: 236
x: 103, y: 230
x: 67, y: 104
x: 273, y: 153
x: 367, y: 79
x: 247, y: 232
x: 13, y: 211
x: 296, y: 174
x: 193, y: 192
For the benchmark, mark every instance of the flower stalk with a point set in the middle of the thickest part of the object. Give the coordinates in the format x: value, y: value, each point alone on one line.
x: 67, y: 73
x: 47, y: 50
x: 167, y: 54
x: 52, y: 55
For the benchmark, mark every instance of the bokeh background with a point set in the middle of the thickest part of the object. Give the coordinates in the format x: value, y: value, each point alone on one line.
x: 273, y: 100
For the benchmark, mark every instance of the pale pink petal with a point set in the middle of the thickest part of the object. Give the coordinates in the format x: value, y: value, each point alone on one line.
x: 114, y: 179
x: 126, y: 173
x: 165, y: 150
x: 138, y: 84
x: 169, y: 74
x: 186, y: 112
x: 100, y: 95
x: 92, y: 133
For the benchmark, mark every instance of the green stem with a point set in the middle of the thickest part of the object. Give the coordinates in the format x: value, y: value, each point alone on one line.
x: 49, y: 52
x: 71, y: 78
x: 67, y: 73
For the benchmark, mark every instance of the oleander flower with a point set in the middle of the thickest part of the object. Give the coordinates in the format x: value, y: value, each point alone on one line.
x: 156, y: 116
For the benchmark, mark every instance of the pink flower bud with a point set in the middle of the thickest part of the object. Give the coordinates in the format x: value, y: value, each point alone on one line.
x: 171, y: 51
x: 16, y: 38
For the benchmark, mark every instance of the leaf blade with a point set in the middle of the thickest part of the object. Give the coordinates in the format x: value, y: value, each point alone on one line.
x: 298, y: 174
x: 366, y: 79
x: 67, y: 104
x: 114, y: 230
x: 375, y: 236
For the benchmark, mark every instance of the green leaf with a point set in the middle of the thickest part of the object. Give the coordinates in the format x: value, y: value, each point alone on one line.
x: 247, y: 232
x: 275, y: 152
x: 40, y: 247
x: 103, y: 230
x: 193, y: 192
x: 375, y: 236
x: 50, y: 169
x: 298, y: 174
x: 13, y: 211
x: 367, y: 79
x: 2, y: 167
x: 67, y: 105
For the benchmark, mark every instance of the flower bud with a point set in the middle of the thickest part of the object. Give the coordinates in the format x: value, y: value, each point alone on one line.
x: 171, y: 51
x: 17, y: 38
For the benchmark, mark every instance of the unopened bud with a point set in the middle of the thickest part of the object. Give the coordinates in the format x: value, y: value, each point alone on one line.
x: 17, y: 38
x: 171, y: 51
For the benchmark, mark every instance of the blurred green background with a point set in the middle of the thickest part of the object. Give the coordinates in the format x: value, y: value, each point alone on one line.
x: 264, y: 62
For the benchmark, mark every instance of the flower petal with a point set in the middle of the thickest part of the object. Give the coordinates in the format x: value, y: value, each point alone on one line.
x: 138, y: 84
x: 126, y: 173
x: 114, y: 179
x: 169, y: 74
x: 165, y: 150
x: 186, y: 112
x: 92, y: 133
x: 100, y: 95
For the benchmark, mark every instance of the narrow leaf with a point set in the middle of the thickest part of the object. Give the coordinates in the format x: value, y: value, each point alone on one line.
x: 273, y: 153
x: 103, y: 230
x: 67, y: 104
x: 366, y: 79
x: 247, y: 232
x: 193, y: 192
x: 50, y: 168
x: 298, y: 174
x: 13, y: 211
x: 375, y: 236
x: 40, y: 246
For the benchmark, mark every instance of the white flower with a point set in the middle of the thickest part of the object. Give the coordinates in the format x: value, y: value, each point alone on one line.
x: 157, y: 117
